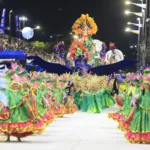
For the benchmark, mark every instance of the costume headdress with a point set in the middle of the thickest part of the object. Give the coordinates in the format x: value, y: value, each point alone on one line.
x: 85, y: 21
x: 49, y: 84
x: 139, y: 77
x: 147, y: 79
x: 16, y: 78
x: 131, y: 77
x: 112, y: 46
x: 61, y: 84
x: 146, y: 71
x: 14, y: 66
x: 35, y: 84
x: 24, y: 80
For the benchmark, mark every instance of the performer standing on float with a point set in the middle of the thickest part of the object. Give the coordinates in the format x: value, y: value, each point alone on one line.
x: 84, y: 27
x: 103, y: 54
x: 113, y: 55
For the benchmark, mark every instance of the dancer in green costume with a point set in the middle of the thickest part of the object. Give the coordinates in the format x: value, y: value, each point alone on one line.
x: 89, y: 104
x: 43, y: 104
x: 18, y: 123
x: 105, y: 98
x: 131, y: 89
x: 78, y: 98
x: 139, y: 126
x: 94, y: 102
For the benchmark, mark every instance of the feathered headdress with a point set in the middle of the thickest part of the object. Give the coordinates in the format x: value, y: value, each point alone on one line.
x: 83, y: 21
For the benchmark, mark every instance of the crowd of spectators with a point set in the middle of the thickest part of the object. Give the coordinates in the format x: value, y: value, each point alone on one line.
x: 18, y: 44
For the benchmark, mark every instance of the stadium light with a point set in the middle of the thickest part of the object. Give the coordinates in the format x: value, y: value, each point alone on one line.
x: 136, y: 4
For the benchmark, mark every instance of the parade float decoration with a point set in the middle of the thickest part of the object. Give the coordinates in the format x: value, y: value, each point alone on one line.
x: 27, y: 33
x: 85, y: 26
x: 78, y: 49
x: 83, y: 48
x: 98, y: 47
x: 93, y: 51
x: 113, y: 55
x: 100, y: 52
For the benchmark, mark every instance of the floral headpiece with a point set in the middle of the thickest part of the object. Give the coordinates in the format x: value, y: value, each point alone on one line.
x: 49, y: 85
x: 15, y: 77
x: 147, y: 79
x: 139, y: 77
x: 61, y: 85
x: 14, y: 66
x: 24, y: 79
x: 131, y: 77
x: 35, y: 84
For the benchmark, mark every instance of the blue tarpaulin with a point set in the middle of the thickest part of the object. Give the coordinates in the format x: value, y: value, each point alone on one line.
x: 60, y: 69
x: 112, y: 68
x: 49, y: 67
x: 17, y: 55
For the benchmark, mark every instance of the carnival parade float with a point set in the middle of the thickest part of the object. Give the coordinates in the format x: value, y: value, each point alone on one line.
x: 31, y: 100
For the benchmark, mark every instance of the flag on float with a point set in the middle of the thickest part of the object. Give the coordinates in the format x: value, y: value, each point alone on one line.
x: 2, y: 27
x: 17, y: 27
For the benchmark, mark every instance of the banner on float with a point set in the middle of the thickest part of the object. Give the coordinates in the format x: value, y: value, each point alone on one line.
x: 2, y: 27
x: 17, y: 27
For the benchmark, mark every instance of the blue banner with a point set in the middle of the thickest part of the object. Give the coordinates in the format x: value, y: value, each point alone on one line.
x: 2, y: 30
x: 17, y: 27
x: 16, y: 54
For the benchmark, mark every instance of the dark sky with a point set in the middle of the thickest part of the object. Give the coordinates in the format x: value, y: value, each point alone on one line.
x: 108, y: 14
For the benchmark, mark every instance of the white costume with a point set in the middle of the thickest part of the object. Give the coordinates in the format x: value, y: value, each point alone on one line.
x: 118, y: 56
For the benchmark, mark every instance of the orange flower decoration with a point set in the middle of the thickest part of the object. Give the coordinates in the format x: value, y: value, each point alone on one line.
x: 83, y: 21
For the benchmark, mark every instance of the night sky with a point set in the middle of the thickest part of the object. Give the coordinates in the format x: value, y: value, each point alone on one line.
x: 58, y: 16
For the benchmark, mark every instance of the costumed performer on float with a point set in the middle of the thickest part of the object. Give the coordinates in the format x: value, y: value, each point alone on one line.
x: 85, y: 27
x: 113, y: 55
